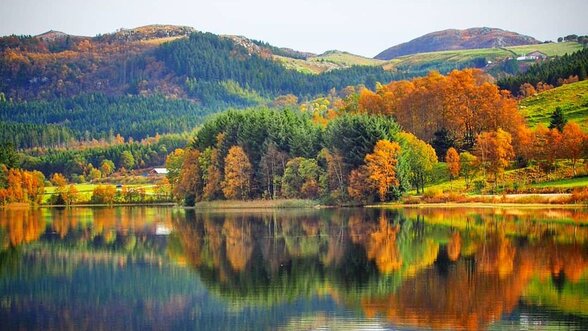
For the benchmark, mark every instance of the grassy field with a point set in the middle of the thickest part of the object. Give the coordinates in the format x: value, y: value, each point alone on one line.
x: 565, y: 183
x: 572, y: 98
x: 85, y: 191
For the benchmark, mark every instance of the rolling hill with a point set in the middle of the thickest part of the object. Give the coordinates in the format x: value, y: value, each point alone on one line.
x: 572, y: 98
x: 453, y: 39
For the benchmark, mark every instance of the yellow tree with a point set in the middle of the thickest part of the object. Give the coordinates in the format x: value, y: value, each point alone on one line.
x: 173, y: 164
x: 381, y: 166
x: 58, y: 180
x: 494, y: 150
x: 238, y: 172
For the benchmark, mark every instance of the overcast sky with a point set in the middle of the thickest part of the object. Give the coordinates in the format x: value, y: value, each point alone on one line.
x: 364, y: 27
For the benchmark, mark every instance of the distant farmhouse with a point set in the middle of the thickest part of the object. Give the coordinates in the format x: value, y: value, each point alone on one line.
x: 157, y: 172
x: 535, y: 55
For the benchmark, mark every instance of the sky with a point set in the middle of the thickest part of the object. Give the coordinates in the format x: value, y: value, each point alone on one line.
x: 364, y: 27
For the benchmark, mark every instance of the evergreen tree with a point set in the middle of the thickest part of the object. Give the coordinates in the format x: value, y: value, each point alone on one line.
x: 558, y: 119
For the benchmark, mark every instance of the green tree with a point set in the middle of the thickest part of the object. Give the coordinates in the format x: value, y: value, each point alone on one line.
x: 468, y: 167
x: 558, y: 119
x: 421, y: 159
x: 8, y: 155
x: 127, y: 160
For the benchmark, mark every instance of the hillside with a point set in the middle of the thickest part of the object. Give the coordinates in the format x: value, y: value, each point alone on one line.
x: 408, y: 66
x: 492, y: 60
x: 457, y: 39
x: 144, y: 81
x: 572, y: 98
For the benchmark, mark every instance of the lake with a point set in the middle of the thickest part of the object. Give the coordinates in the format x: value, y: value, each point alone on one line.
x: 143, y: 268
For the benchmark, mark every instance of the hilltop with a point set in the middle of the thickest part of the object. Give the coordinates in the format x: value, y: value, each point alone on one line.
x: 453, y: 39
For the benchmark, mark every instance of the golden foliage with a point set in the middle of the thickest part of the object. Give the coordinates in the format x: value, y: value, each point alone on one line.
x: 453, y: 164
x: 381, y: 166
x: 238, y: 173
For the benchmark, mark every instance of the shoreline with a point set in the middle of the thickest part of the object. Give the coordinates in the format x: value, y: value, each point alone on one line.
x: 313, y: 204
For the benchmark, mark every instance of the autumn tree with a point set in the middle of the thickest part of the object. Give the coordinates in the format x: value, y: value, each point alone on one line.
x: 21, y: 185
x: 464, y: 103
x: 453, y: 164
x: 527, y: 90
x: 58, y: 179
x: 494, y: 151
x: 238, y: 171
x: 104, y: 194
x: 189, y: 183
x: 361, y: 187
x: 107, y: 167
x: 573, y: 143
x: 381, y: 166
x: 421, y: 159
x: 67, y: 195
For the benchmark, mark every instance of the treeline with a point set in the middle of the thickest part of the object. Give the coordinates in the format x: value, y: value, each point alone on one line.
x: 95, y: 116
x: 208, y: 57
x: 76, y: 163
x: 551, y: 72
x: 407, y: 71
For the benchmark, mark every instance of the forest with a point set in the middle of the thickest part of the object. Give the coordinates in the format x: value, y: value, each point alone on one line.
x: 60, y: 122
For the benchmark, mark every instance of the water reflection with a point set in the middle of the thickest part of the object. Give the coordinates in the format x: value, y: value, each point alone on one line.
x: 411, y: 268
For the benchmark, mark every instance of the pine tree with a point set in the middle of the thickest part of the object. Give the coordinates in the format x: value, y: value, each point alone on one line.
x: 558, y: 119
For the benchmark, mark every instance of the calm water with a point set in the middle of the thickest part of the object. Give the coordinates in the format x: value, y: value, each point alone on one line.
x: 164, y: 268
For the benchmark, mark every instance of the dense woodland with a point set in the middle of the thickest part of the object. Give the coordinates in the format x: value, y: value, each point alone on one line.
x: 83, y: 118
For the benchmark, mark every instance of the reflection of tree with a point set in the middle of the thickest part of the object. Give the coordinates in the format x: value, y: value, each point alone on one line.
x: 238, y: 241
x: 454, y: 246
x: 430, y: 268
x: 21, y: 226
x: 461, y: 299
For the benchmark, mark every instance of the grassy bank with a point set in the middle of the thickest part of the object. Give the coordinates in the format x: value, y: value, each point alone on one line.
x: 257, y: 204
